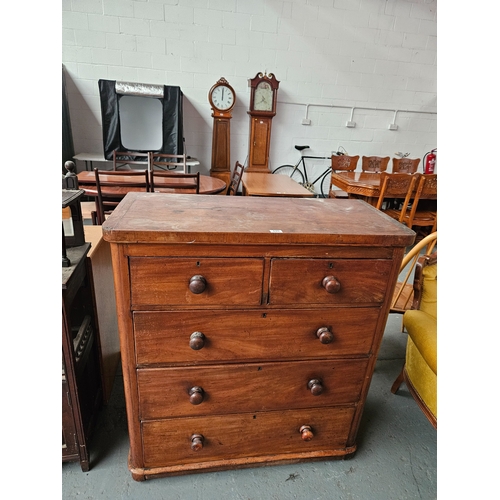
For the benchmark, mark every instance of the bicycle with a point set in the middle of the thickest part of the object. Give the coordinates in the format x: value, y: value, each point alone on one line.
x: 302, y: 178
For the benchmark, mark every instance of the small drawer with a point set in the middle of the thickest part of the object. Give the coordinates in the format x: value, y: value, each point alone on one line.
x: 328, y: 281
x: 161, y: 281
x: 209, y: 390
x: 201, y: 337
x: 253, y: 437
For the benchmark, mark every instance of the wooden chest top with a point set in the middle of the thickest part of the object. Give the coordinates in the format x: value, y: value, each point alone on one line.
x: 176, y: 218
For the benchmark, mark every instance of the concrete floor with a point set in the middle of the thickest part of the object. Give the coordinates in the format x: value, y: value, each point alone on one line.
x: 396, y: 457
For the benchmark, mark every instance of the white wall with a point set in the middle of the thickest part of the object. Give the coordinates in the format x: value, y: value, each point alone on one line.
x: 336, y: 54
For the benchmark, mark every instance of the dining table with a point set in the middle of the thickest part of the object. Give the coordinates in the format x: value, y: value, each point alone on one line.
x: 86, y: 181
x: 268, y: 184
x: 363, y: 185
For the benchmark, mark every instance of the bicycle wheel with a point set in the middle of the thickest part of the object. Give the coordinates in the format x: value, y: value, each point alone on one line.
x: 297, y: 176
x: 326, y: 184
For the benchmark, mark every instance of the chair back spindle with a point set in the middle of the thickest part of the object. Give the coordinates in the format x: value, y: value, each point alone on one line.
x: 235, y: 179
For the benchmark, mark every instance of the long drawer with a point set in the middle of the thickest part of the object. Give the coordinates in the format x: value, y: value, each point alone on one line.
x: 328, y: 281
x: 222, y: 389
x: 170, y: 442
x: 233, y: 336
x: 157, y: 281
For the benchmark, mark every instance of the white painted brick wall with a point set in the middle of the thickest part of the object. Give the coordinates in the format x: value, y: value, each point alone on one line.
x: 347, y: 53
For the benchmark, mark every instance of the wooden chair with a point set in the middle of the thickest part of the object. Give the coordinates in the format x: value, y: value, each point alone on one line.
x: 405, y: 165
x: 107, y: 201
x: 180, y: 181
x: 123, y: 160
x: 342, y: 163
x: 235, y: 179
x: 164, y: 161
x: 426, y: 188
x: 402, y: 298
x: 374, y: 163
x: 393, y: 187
x: 420, y: 217
x: 420, y: 368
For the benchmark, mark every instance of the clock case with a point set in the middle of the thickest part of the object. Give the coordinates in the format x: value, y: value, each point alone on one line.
x: 221, y: 136
x: 260, y: 125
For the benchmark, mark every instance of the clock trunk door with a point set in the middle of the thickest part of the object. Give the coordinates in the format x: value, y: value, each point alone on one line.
x: 260, y: 135
x: 220, y: 146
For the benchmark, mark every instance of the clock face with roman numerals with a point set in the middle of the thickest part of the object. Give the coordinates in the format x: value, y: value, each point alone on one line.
x: 263, y: 97
x: 222, y: 97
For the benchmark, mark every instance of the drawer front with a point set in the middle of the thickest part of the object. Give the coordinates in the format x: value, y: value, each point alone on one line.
x: 203, y: 390
x: 228, y: 336
x: 159, y: 281
x: 168, y: 442
x: 328, y: 281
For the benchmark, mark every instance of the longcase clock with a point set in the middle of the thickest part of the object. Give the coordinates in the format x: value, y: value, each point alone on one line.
x: 222, y: 99
x: 263, y: 98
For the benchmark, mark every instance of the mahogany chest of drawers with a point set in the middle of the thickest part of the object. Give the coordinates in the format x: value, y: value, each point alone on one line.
x: 249, y: 327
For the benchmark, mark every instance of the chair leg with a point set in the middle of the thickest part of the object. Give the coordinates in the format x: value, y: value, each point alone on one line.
x: 94, y: 218
x: 398, y: 382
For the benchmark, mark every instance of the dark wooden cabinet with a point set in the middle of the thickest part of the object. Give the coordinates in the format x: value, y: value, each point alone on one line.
x: 249, y: 327
x: 82, y: 389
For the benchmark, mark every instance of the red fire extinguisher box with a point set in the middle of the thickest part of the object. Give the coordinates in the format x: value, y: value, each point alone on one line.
x: 430, y: 162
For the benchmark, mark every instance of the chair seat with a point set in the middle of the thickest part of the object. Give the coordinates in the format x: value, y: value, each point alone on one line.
x: 422, y: 216
x: 422, y: 328
x: 337, y: 193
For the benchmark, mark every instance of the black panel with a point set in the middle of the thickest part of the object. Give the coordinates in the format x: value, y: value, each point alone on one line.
x: 172, y: 123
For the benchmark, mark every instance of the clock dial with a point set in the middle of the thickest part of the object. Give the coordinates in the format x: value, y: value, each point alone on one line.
x: 263, y: 97
x: 222, y: 97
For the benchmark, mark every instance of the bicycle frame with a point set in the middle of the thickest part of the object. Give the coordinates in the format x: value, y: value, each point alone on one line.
x: 326, y: 172
x: 296, y: 172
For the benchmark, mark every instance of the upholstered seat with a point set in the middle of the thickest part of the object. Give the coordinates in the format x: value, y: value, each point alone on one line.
x: 420, y: 369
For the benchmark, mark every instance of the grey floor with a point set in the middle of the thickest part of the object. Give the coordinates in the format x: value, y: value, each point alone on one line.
x: 396, y: 456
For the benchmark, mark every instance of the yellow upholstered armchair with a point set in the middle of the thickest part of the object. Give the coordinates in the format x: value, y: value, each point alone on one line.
x: 420, y: 369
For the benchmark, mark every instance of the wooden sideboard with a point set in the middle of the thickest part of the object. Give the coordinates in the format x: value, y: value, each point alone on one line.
x: 82, y: 390
x: 249, y: 327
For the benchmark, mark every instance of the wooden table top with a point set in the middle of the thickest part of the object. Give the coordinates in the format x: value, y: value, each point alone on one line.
x: 86, y: 181
x: 147, y: 218
x: 267, y: 184
x: 363, y: 184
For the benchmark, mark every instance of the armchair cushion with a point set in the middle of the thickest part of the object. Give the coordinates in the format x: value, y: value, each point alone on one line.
x: 428, y: 303
x: 422, y: 328
x: 421, y: 358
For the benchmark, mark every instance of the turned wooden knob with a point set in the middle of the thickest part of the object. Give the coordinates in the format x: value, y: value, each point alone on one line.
x: 197, y: 442
x: 306, y: 433
x: 324, y: 335
x: 330, y: 284
x: 196, y: 395
x: 315, y: 386
x: 197, y: 284
x: 197, y: 341
x: 70, y: 167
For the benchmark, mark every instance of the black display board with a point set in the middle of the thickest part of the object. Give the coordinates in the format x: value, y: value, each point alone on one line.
x: 172, y: 124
